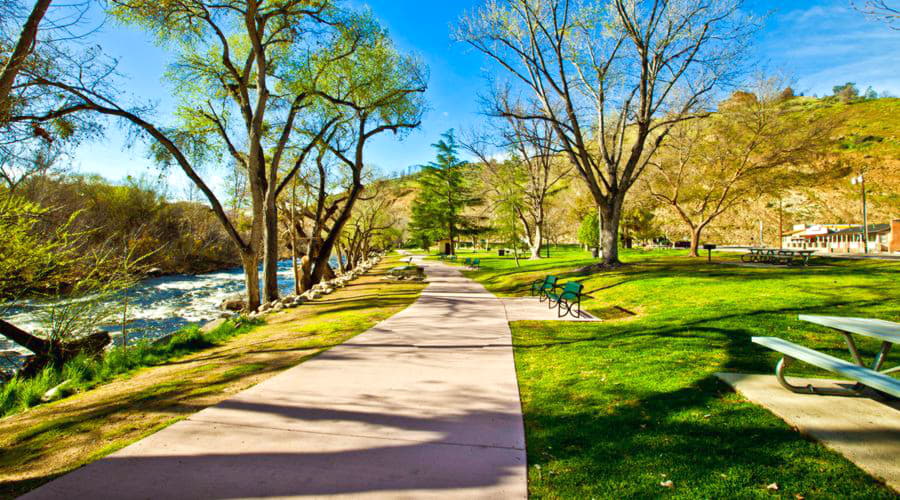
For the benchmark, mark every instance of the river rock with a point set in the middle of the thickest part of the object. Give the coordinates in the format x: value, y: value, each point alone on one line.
x: 212, y: 325
x: 154, y: 272
x: 56, y: 392
x: 233, y: 304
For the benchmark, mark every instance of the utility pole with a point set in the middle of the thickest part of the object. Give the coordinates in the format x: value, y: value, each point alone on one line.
x: 762, y: 244
x: 780, y: 223
x: 861, y: 180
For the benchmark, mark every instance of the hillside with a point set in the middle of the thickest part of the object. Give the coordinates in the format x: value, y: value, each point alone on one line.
x: 867, y: 139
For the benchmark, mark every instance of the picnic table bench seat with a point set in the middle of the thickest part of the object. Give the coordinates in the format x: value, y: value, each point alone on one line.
x: 865, y: 376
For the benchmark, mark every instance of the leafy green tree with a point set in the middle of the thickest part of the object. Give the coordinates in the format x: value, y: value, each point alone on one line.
x: 589, y: 231
x: 444, y: 194
x: 846, y: 92
x: 266, y: 82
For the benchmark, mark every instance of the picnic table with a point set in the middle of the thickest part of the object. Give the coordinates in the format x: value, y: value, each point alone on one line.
x: 874, y: 376
x: 777, y: 256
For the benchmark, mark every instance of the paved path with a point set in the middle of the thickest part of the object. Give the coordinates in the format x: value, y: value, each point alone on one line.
x: 424, y: 404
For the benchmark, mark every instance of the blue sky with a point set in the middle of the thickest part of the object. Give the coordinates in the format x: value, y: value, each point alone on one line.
x: 817, y: 44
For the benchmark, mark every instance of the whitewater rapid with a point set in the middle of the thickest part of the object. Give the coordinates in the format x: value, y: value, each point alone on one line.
x: 160, y: 306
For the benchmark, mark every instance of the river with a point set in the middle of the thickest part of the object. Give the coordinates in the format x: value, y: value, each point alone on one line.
x: 162, y: 305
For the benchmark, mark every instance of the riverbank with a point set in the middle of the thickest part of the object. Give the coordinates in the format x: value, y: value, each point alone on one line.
x: 157, y: 306
x: 49, y: 440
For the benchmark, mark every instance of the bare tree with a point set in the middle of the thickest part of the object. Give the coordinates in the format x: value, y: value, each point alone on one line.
x: 23, y: 47
x: 880, y: 10
x: 530, y: 144
x: 611, y: 79
x: 754, y: 146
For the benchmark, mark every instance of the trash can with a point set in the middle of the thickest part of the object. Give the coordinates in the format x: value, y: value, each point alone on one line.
x: 501, y: 252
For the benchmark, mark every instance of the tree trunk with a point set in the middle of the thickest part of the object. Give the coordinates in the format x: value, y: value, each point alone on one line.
x: 341, y: 258
x: 34, y: 344
x: 452, y: 234
x: 24, y: 46
x: 293, y: 229
x: 536, y: 242
x: 695, y: 241
x: 250, y: 261
x: 48, y: 352
x: 305, y: 273
x: 270, y: 248
x: 610, y: 215
x: 324, y: 250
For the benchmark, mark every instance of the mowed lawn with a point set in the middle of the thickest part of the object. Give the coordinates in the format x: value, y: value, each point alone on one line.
x: 614, y: 409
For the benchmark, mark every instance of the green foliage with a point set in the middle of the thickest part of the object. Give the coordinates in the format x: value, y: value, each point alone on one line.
x: 32, y: 257
x: 589, y: 230
x: 132, y: 217
x: 83, y: 372
x: 508, y: 201
x: 849, y: 87
x: 445, y: 192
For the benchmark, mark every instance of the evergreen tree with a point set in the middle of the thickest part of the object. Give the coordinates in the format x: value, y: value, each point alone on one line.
x: 443, y: 196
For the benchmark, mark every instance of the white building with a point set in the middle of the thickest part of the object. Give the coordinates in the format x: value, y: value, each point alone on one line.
x: 843, y: 238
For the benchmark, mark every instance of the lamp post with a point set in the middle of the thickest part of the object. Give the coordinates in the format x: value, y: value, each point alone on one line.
x: 862, y: 185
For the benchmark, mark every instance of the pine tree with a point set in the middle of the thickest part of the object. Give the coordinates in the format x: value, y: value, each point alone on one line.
x: 443, y: 196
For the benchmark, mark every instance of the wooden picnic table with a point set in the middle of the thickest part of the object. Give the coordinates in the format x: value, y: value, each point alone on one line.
x: 874, y: 376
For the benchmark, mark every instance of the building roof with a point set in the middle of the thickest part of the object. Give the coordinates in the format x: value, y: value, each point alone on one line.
x: 873, y: 228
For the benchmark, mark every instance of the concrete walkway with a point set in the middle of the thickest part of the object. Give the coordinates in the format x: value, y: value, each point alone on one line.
x: 865, y: 431
x: 424, y: 404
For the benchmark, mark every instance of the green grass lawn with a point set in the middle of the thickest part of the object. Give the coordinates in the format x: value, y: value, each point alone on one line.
x: 614, y: 409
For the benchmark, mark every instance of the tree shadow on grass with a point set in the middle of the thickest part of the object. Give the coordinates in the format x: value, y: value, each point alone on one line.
x: 624, y: 435
x: 709, y: 444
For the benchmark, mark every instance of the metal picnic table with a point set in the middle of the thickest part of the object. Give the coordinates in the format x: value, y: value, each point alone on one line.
x: 874, y: 377
x: 777, y: 256
x: 886, y: 331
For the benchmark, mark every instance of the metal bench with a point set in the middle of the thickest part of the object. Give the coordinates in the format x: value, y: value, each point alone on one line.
x: 865, y: 376
x: 569, y: 296
x: 476, y: 263
x: 543, y: 286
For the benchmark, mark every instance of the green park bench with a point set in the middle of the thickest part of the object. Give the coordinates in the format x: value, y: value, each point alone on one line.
x: 467, y: 261
x: 568, y: 297
x: 875, y: 377
x: 476, y: 263
x: 542, y: 286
